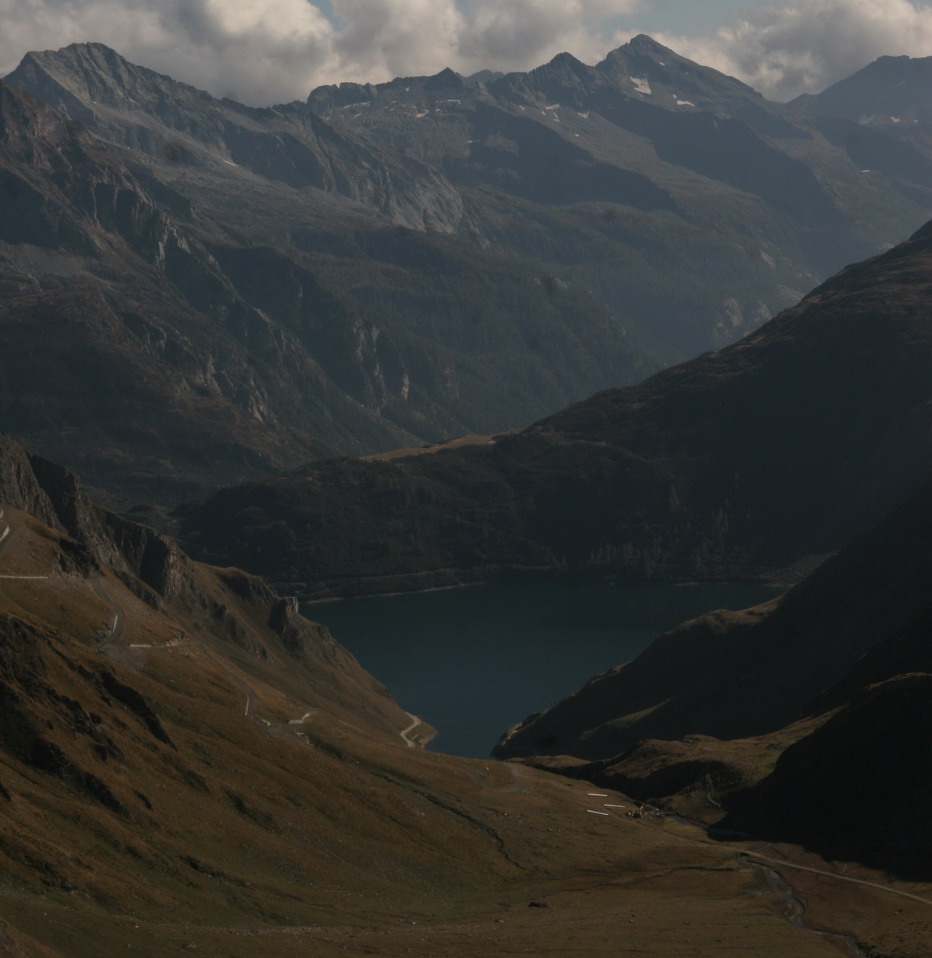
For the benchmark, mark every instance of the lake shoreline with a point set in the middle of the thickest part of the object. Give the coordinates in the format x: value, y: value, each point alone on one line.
x: 471, y: 663
x: 782, y: 578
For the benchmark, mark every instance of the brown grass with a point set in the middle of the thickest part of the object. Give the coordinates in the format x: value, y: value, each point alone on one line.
x: 242, y: 838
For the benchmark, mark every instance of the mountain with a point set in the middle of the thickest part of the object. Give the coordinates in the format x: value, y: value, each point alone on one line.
x: 782, y: 446
x: 661, y: 144
x: 807, y: 717
x: 387, y: 265
x: 767, y: 665
x: 890, y: 96
x: 230, y: 356
x: 174, y: 124
x: 125, y: 347
x: 187, y: 764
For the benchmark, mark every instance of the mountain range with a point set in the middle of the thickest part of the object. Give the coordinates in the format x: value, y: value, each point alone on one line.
x: 803, y: 720
x: 194, y: 291
x: 386, y: 265
x: 772, y: 451
x: 886, y: 96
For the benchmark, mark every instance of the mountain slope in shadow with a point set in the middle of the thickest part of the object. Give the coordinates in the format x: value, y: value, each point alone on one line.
x: 782, y: 446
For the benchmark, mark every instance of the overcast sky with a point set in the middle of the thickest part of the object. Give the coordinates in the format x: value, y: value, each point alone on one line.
x: 271, y: 51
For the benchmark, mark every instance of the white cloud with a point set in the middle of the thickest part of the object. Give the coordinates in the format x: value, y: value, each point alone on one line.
x: 256, y: 50
x: 787, y: 49
x: 264, y: 51
x: 521, y: 34
x: 380, y: 39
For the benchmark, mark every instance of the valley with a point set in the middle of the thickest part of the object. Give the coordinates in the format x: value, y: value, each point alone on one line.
x: 744, y: 462
x: 470, y: 660
x: 198, y: 780
x: 545, y: 334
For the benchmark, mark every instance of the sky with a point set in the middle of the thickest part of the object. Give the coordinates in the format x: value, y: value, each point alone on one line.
x: 273, y: 51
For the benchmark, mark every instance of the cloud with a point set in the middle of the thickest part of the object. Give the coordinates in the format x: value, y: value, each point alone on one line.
x: 381, y: 39
x: 521, y: 34
x: 787, y: 49
x: 259, y: 51
x: 266, y: 51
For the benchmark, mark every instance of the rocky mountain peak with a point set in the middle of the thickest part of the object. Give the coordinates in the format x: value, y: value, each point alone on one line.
x: 323, y: 100
x: 582, y: 163
x: 444, y: 80
x: 643, y: 57
x: 570, y: 70
x: 642, y: 50
x: 564, y: 61
x: 80, y: 75
x: 645, y: 45
x: 564, y: 79
x: 891, y: 92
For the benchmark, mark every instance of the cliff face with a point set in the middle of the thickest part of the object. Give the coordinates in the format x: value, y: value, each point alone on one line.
x: 226, y: 358
x: 90, y: 328
x: 94, y: 544
x: 18, y: 483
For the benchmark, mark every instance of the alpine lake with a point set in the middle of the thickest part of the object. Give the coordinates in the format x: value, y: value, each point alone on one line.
x: 473, y: 661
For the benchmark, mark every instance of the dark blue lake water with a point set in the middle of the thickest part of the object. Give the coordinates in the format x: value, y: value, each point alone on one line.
x: 474, y: 661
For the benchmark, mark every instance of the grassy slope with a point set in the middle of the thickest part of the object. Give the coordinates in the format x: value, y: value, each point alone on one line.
x: 234, y: 837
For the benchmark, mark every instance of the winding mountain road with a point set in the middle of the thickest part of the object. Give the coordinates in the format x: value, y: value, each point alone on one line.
x: 405, y: 733
x: 420, y: 741
x: 249, y: 709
